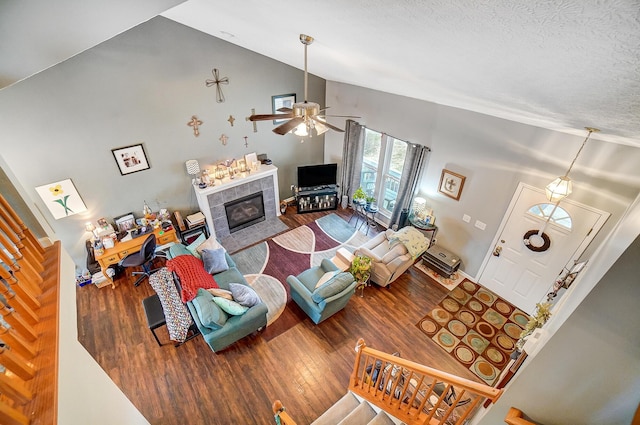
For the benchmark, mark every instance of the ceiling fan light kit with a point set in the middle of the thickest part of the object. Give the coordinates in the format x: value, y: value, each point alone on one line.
x: 304, y: 117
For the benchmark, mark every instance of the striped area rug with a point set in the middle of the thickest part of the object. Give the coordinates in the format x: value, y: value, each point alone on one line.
x: 267, y: 265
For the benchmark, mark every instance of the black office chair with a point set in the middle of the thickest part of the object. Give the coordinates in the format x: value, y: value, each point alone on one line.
x: 142, y: 258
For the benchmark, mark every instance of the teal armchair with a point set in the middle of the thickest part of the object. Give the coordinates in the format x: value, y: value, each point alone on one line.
x: 329, y: 298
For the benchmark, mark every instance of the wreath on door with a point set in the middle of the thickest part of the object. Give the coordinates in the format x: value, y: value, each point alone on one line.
x: 535, y: 245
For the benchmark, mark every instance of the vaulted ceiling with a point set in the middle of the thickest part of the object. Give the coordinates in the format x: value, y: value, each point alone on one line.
x: 561, y: 64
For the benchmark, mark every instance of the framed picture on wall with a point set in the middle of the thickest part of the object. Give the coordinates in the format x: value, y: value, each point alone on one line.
x: 282, y: 101
x: 61, y: 198
x: 131, y: 159
x: 451, y: 184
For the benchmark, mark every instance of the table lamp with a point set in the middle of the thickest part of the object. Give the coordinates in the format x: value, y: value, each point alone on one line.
x: 193, y: 168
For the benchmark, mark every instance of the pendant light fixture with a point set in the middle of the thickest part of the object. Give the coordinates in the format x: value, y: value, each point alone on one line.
x: 562, y: 187
x: 537, y: 240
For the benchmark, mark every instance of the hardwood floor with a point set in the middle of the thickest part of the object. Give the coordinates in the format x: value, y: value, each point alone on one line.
x: 307, y: 367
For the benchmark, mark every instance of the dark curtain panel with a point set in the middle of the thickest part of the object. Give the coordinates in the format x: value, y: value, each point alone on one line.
x: 414, y: 164
x: 352, y: 152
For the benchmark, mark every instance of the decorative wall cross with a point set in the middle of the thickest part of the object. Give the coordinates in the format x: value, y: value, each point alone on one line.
x: 231, y: 120
x: 246, y: 142
x: 217, y: 81
x: 224, y: 138
x: 195, y: 123
x: 255, y: 124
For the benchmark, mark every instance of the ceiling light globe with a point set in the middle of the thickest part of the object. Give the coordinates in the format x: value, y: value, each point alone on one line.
x: 559, y: 189
x: 301, y: 130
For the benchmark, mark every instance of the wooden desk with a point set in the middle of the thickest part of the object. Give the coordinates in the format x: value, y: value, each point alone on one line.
x: 122, y: 249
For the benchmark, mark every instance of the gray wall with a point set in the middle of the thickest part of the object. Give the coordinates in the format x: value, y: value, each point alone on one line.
x: 143, y: 86
x: 588, y: 372
x: 494, y: 154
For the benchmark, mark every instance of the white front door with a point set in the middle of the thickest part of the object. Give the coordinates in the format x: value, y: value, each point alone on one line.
x: 520, y: 268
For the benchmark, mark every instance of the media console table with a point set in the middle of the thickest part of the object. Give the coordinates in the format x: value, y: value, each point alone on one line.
x: 317, y: 199
x: 211, y: 199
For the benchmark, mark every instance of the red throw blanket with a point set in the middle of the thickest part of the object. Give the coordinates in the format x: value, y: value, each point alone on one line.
x: 192, y: 275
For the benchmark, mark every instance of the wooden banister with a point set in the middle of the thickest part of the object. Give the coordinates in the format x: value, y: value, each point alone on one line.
x: 16, y: 364
x: 15, y: 389
x: 18, y: 305
x: 7, y: 211
x: 514, y: 417
x: 17, y: 342
x: 29, y: 300
x: 11, y: 416
x: 280, y: 414
x: 414, y: 393
x: 23, y: 275
x: 25, y: 294
x: 18, y: 323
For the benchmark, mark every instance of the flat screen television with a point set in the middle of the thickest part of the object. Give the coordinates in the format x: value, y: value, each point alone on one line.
x: 317, y: 175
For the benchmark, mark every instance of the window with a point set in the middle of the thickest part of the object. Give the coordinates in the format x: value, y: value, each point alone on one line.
x: 382, y: 166
x: 552, y: 212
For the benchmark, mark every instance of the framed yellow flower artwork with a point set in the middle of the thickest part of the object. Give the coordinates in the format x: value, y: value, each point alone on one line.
x: 61, y: 198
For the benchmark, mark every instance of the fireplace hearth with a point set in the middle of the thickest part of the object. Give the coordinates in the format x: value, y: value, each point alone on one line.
x: 245, y: 211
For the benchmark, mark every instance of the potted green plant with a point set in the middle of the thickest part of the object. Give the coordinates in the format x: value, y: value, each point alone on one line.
x: 361, y: 271
x: 359, y: 194
x: 370, y: 200
x: 543, y: 312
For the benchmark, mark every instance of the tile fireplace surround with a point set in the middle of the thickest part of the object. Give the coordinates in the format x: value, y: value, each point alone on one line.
x: 211, y: 199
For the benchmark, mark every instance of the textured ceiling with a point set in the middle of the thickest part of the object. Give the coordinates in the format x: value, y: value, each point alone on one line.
x: 556, y: 64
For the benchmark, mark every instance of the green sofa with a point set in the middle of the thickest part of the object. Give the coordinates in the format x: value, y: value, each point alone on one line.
x: 329, y: 298
x: 235, y: 327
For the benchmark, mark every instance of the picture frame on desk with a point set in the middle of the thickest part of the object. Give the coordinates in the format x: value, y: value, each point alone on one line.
x: 125, y: 223
x: 190, y: 235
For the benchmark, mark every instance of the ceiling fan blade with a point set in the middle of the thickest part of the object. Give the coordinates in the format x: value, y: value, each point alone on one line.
x: 285, y: 109
x: 288, y: 126
x: 265, y: 117
x: 332, y: 127
x: 338, y: 116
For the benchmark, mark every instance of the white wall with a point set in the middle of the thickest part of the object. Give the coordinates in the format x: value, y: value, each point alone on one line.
x: 143, y: 86
x: 495, y: 155
x: 86, y: 394
x: 588, y: 372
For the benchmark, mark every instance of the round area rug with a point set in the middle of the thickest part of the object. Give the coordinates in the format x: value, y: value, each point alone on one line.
x: 272, y: 294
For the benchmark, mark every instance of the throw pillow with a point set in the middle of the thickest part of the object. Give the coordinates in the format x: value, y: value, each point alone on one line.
x: 219, y: 292
x: 214, y: 260
x: 230, y: 307
x: 244, y: 295
x: 209, y: 313
x: 211, y: 243
x: 325, y: 278
x: 193, y: 246
x: 336, y: 285
x: 192, y: 275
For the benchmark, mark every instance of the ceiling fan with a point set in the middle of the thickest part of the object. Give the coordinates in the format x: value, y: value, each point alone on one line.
x: 304, y: 116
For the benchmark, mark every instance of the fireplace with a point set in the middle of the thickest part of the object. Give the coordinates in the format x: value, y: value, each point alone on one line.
x: 244, y: 212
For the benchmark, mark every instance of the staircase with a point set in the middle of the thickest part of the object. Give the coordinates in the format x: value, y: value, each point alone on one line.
x: 386, y: 389
x: 351, y: 411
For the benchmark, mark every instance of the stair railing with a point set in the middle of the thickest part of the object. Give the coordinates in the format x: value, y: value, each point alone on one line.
x: 414, y: 393
x: 29, y: 295
x: 280, y: 414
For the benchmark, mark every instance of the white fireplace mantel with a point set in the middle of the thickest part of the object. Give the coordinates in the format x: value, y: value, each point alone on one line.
x: 211, y: 204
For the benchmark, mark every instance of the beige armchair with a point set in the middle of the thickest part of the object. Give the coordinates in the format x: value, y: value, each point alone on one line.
x: 389, y: 260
